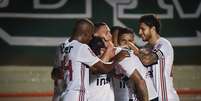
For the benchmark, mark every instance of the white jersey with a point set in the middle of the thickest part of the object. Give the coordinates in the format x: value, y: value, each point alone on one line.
x: 100, y: 88
x: 143, y: 71
x: 162, y: 71
x: 78, y: 56
x: 123, y: 92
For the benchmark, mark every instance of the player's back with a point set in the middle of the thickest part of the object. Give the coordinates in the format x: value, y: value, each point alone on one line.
x: 78, y: 56
x: 100, y: 88
x: 77, y: 73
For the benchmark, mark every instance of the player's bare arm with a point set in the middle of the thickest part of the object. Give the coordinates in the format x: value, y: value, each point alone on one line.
x: 139, y: 86
x: 101, y: 67
x: 57, y: 73
x: 146, y: 56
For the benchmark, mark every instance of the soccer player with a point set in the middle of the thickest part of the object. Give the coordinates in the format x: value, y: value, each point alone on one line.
x: 120, y: 81
x: 125, y: 36
x: 129, y: 67
x: 57, y: 73
x: 80, y: 58
x: 159, y: 60
x: 101, y: 82
x: 100, y: 85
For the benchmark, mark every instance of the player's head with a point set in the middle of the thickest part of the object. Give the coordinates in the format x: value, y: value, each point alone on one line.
x: 149, y: 25
x: 125, y: 35
x: 83, y: 30
x: 102, y: 30
x: 97, y: 46
x: 114, y: 31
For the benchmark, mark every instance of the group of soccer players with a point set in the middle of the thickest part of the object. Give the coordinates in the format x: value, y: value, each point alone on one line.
x: 99, y: 64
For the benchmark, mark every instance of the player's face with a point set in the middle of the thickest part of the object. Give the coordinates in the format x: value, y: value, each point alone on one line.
x: 125, y: 39
x: 104, y: 32
x: 144, y: 31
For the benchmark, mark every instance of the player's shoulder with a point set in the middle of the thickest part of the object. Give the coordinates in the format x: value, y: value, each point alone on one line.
x: 80, y: 44
x: 74, y: 43
x: 80, y: 47
x: 163, y: 43
x: 129, y: 60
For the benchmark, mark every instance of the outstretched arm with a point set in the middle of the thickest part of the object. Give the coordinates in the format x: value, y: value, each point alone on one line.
x: 101, y: 67
x: 146, y: 56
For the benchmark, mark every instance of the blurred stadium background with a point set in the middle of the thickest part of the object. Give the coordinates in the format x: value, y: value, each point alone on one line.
x: 30, y: 30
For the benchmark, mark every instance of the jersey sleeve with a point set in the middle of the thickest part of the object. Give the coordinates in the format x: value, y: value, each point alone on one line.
x: 129, y: 64
x: 165, y: 52
x: 87, y: 56
x: 164, y: 48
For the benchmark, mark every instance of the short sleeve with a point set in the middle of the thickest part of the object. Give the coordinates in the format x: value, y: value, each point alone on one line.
x: 87, y: 56
x: 165, y: 50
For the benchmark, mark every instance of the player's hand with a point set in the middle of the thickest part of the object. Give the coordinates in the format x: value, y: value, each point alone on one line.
x: 109, y: 44
x: 121, y: 55
x: 110, y: 50
x: 134, y: 48
x: 107, y: 37
x: 57, y: 73
x: 109, y: 53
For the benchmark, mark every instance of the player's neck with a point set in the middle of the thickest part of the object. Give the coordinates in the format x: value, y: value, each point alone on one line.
x: 153, y: 40
x: 79, y: 39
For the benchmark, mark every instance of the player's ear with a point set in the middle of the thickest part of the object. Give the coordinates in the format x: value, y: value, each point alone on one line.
x: 153, y: 29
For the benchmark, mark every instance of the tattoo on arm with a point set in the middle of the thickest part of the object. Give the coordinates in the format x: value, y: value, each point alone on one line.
x: 148, y: 58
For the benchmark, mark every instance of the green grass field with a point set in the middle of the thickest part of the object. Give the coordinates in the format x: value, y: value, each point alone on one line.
x: 15, y: 79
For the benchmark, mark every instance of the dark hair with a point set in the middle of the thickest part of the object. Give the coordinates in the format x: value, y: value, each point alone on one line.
x: 115, y: 28
x: 98, y: 25
x: 96, y: 44
x: 125, y: 31
x: 79, y: 25
x: 151, y: 20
